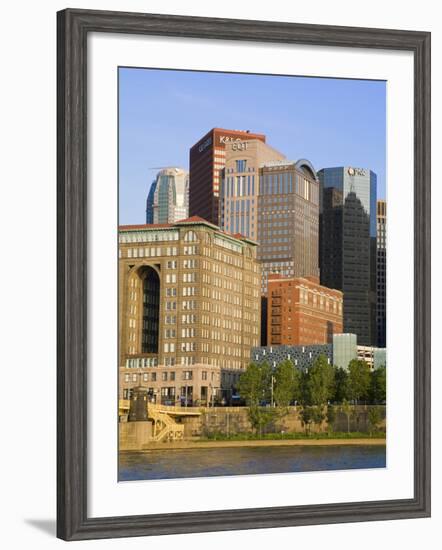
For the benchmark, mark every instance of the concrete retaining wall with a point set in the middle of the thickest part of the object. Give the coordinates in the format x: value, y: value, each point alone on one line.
x: 231, y: 420
x: 133, y: 435
x: 235, y: 420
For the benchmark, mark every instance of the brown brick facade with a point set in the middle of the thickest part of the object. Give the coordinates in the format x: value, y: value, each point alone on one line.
x: 302, y: 312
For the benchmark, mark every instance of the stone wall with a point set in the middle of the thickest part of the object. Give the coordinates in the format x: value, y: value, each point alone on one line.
x: 231, y: 420
x: 235, y: 420
x: 133, y: 435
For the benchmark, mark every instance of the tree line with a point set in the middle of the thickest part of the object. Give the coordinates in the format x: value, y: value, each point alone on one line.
x: 314, y: 389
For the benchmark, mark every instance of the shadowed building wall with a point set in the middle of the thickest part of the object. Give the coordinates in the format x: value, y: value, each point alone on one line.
x: 381, y: 274
x: 348, y: 245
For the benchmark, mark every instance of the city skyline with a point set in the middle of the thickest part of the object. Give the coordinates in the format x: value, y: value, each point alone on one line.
x: 162, y: 113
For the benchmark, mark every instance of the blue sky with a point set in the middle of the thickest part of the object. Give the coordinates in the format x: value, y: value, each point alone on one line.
x: 162, y: 113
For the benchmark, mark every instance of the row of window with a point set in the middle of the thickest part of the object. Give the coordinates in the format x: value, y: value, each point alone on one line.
x: 165, y: 376
x: 239, y: 186
x: 185, y: 333
x: 148, y: 236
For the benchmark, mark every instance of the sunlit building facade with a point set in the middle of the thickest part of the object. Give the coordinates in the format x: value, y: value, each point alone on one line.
x: 301, y: 311
x: 207, y: 162
x: 188, y: 299
x: 288, y: 220
x: 241, y: 184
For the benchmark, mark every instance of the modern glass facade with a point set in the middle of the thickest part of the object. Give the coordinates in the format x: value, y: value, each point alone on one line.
x: 169, y: 199
x: 381, y: 276
x: 344, y: 349
x: 347, y: 255
x: 302, y: 357
x: 150, y: 201
x: 379, y: 357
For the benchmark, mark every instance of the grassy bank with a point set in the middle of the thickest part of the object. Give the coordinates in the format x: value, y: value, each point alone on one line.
x: 292, y: 436
x: 304, y: 442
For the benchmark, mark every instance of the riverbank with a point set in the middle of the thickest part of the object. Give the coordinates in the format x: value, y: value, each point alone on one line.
x: 189, y: 444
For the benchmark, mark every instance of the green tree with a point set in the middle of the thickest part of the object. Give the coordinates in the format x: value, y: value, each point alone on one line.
x: 341, y: 385
x: 358, y: 379
x: 378, y: 385
x: 255, y: 387
x: 261, y: 417
x: 346, y: 408
x: 317, y: 387
x: 331, y: 417
x: 306, y: 416
x: 286, y: 387
x: 255, y: 383
x: 318, y: 383
x: 374, y: 417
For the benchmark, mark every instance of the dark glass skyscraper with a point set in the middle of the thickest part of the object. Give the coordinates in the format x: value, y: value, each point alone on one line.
x: 381, y: 268
x: 150, y: 201
x: 347, y: 245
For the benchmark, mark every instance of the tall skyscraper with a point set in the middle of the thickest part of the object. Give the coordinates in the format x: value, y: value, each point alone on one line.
x: 381, y: 276
x: 288, y: 220
x: 240, y: 185
x: 150, y: 202
x: 207, y: 161
x: 348, y: 245
x: 168, y: 198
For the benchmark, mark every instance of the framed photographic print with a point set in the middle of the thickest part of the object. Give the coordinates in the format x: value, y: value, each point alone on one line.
x: 233, y: 351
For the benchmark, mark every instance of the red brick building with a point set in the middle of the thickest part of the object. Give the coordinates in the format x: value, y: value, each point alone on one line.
x: 302, y: 312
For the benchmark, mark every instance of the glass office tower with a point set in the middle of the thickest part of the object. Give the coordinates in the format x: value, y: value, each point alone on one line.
x: 347, y: 249
x: 345, y: 348
x: 150, y: 201
x: 168, y: 198
x: 381, y: 268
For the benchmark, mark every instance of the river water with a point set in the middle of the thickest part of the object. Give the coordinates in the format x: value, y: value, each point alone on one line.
x: 188, y: 463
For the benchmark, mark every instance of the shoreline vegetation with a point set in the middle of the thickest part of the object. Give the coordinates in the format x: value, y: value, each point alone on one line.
x: 314, y: 389
x: 271, y: 440
x: 289, y: 436
x: 349, y: 439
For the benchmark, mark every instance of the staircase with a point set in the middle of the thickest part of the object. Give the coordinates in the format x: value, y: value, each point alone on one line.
x: 164, y: 426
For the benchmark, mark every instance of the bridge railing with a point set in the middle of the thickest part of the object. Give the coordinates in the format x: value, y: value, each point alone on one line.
x: 173, y: 409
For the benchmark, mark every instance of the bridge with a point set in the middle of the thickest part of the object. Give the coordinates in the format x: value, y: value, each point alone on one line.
x: 165, y: 425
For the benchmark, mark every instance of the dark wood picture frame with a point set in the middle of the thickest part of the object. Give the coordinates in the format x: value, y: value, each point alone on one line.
x: 73, y: 28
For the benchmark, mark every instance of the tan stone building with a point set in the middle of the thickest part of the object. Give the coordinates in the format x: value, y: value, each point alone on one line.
x: 189, y: 308
x: 288, y: 220
x: 241, y: 183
